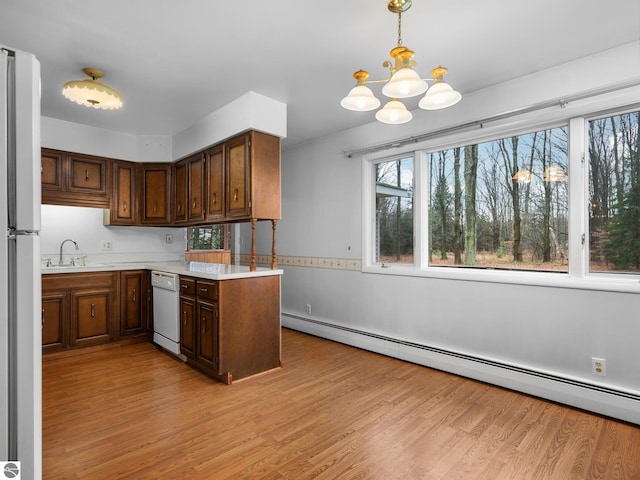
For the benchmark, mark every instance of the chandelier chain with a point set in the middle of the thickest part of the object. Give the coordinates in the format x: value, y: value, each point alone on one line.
x: 399, y: 28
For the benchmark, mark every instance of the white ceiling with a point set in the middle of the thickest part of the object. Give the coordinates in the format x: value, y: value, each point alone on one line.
x: 175, y: 62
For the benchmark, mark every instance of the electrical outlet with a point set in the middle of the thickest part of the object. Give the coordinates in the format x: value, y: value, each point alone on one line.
x: 599, y: 366
x: 168, y: 238
x: 308, y: 308
x: 105, y: 245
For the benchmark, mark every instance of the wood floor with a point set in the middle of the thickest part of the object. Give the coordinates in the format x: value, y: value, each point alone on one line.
x: 333, y: 412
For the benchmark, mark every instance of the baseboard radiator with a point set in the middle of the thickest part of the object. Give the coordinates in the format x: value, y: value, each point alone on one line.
x: 615, y: 403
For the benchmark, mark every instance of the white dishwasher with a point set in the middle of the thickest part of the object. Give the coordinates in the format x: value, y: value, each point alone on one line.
x: 166, y: 315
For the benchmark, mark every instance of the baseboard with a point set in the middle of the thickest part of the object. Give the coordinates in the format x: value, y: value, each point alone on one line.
x: 620, y: 404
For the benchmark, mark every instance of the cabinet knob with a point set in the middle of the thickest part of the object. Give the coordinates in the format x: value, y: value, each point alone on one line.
x: 195, y: 202
x: 86, y: 174
x: 124, y: 205
x: 204, y: 290
x: 93, y: 310
x: 134, y: 295
x: 235, y: 195
x: 184, y: 314
x: 213, y: 198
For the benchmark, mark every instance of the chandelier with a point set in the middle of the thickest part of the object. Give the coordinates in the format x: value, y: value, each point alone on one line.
x: 92, y: 93
x: 403, y: 82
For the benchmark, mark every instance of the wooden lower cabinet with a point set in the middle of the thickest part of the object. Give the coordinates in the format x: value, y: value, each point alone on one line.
x: 54, y: 327
x: 230, y: 329
x: 82, y: 309
x: 134, y: 302
x: 91, y: 312
x: 188, y: 326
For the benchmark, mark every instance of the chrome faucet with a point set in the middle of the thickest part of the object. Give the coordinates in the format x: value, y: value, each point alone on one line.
x: 62, y: 245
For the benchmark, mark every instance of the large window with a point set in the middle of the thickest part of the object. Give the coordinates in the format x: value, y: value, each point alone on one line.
x: 501, y: 204
x: 614, y: 193
x: 561, y: 200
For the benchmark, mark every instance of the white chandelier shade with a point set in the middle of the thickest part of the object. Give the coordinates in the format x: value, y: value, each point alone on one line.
x: 394, y: 113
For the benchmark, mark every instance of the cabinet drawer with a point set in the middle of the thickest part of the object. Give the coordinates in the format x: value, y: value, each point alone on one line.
x: 207, y: 290
x: 187, y: 286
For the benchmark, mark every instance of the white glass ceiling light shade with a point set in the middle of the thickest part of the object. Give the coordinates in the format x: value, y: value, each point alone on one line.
x: 360, y: 98
x: 394, y: 113
x: 92, y: 93
x: 440, y: 95
x: 405, y: 82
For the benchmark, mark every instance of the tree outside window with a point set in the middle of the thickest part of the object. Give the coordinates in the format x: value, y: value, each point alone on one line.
x: 208, y: 237
x: 501, y: 204
x: 394, y: 211
x: 614, y: 193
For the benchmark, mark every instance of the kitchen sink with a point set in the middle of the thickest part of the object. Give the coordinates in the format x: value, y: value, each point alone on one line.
x: 69, y: 265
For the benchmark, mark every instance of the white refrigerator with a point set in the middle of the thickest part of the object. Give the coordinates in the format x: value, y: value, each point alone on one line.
x: 20, y: 283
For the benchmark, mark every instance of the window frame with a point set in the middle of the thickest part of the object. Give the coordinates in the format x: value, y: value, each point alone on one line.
x: 578, y: 275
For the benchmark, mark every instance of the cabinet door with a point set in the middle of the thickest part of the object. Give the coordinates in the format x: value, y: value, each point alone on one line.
x: 180, y: 191
x: 207, y: 339
x: 196, y: 187
x: 88, y: 175
x: 54, y: 308
x: 238, y: 175
x: 188, y: 326
x: 214, y: 162
x: 155, y: 190
x: 90, y: 314
x: 51, y: 170
x: 133, y: 302
x: 123, y: 198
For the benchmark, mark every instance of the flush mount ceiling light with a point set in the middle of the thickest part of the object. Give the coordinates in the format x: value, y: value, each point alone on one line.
x: 403, y: 82
x: 92, y: 93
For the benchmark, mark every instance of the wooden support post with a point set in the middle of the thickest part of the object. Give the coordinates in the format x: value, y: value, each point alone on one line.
x: 252, y: 265
x: 274, y: 260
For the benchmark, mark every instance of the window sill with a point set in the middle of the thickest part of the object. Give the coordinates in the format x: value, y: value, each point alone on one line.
x: 599, y: 282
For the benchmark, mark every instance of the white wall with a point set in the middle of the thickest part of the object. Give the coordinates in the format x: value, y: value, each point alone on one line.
x: 550, y: 330
x: 85, y: 226
x: 251, y: 111
x: 74, y: 137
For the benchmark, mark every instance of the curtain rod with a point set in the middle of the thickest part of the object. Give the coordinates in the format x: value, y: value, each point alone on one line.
x: 562, y: 103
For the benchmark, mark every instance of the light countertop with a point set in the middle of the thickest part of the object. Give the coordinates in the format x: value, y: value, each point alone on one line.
x: 211, y: 271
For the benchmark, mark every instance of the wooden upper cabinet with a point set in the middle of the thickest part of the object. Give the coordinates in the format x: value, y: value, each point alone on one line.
x: 180, y: 191
x: 75, y: 179
x: 156, y: 188
x: 51, y: 171
x: 88, y: 175
x: 236, y: 180
x: 253, y: 177
x: 214, y: 174
x: 195, y: 187
x: 123, y: 199
x: 238, y: 174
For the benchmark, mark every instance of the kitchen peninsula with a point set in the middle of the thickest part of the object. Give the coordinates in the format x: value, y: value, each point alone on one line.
x: 229, y: 315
